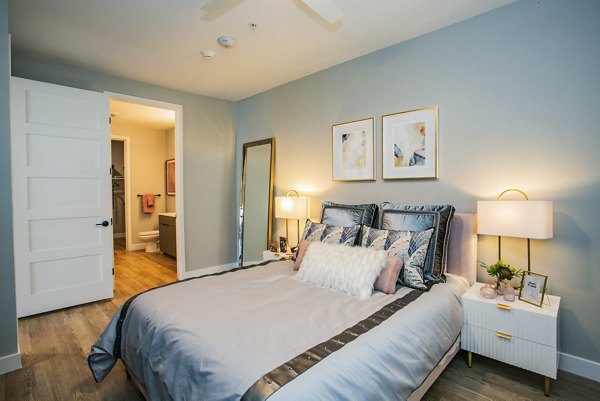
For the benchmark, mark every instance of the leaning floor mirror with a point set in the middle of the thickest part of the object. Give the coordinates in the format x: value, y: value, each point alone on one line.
x: 256, y: 200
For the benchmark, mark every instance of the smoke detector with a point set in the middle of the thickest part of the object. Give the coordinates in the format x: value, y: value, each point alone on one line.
x: 207, y: 54
x: 226, y: 41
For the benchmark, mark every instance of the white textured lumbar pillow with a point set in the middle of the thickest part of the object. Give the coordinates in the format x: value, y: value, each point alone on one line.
x: 350, y: 270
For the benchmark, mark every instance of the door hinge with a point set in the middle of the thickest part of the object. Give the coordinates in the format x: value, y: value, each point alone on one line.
x: 109, y: 120
x: 111, y: 221
x: 113, y: 271
x: 110, y: 171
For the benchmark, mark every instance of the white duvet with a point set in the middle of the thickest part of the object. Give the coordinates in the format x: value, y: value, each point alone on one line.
x: 212, y: 338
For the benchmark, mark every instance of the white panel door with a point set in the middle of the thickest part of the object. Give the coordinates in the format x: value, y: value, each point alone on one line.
x: 60, y: 149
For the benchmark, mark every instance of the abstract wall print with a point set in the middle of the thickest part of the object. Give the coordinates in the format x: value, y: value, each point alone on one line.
x: 353, y: 151
x: 409, y: 144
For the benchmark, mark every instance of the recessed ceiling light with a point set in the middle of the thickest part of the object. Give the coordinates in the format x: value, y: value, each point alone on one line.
x: 226, y: 41
x: 207, y: 54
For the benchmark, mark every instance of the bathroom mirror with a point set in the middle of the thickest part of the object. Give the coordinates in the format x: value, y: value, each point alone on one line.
x: 256, y: 201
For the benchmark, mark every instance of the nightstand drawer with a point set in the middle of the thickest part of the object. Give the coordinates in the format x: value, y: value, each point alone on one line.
x: 503, y: 347
x: 511, y: 318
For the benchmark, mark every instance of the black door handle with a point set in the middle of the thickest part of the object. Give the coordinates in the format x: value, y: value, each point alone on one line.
x: 103, y: 224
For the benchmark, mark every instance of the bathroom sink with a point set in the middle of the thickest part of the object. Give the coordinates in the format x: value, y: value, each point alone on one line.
x: 167, y: 214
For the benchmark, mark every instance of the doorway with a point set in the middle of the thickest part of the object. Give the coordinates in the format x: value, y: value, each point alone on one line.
x: 119, y: 146
x: 148, y: 133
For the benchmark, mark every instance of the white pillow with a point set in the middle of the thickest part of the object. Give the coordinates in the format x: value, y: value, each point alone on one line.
x: 349, y: 270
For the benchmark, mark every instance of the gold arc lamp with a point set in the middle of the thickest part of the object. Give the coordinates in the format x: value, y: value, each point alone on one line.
x: 292, y: 206
x: 515, y: 218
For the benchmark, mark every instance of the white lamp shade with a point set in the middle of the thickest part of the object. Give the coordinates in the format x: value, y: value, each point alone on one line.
x: 288, y: 207
x: 521, y: 219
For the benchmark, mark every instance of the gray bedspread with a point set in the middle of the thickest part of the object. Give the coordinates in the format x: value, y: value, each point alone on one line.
x: 212, y: 338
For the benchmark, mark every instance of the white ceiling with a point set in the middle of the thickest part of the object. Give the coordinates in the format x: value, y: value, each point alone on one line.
x: 159, y: 42
x: 141, y: 115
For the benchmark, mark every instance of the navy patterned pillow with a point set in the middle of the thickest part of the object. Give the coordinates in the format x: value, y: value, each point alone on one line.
x: 330, y: 234
x: 410, y: 246
x: 393, y: 216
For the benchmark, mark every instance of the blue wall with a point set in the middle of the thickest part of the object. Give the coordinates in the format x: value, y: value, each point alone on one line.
x: 518, y: 91
x: 208, y: 152
x: 8, y: 310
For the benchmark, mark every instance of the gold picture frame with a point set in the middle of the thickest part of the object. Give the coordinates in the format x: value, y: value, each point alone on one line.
x: 533, y: 288
x: 353, y: 150
x: 170, y: 176
x: 409, y: 144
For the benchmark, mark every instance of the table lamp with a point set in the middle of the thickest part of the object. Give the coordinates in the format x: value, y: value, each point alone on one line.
x: 515, y: 218
x: 292, y: 206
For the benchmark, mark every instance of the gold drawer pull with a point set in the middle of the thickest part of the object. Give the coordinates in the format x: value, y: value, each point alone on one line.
x: 503, y: 335
x: 504, y: 306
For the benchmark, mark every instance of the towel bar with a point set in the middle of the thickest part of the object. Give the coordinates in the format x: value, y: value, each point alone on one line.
x: 140, y: 195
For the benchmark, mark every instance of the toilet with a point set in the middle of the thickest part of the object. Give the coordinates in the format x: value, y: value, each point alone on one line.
x: 150, y: 238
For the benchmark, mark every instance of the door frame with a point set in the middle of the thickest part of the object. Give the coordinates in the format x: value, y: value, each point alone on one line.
x: 179, y: 204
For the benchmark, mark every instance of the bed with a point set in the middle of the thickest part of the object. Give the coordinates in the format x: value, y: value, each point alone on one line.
x: 258, y: 332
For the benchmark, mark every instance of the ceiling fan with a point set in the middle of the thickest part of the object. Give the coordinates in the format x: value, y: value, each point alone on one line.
x: 326, y: 9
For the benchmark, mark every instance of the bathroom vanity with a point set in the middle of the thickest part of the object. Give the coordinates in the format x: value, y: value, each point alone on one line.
x: 167, y: 229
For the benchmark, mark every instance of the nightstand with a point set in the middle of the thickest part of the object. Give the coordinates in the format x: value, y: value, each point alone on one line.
x: 516, y: 333
x: 268, y: 255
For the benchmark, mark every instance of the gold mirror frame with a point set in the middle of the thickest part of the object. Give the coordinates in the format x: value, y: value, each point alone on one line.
x: 246, y: 147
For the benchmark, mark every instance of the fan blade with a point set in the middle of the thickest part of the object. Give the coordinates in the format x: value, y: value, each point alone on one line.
x: 327, y: 9
x: 213, y: 5
x: 216, y: 8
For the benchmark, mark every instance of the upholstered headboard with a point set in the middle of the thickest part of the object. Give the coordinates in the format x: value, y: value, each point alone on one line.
x: 462, y: 247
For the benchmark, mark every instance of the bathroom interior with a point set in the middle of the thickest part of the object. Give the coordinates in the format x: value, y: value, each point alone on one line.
x: 143, y: 178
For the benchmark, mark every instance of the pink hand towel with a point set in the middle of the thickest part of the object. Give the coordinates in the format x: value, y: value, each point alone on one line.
x: 148, y: 203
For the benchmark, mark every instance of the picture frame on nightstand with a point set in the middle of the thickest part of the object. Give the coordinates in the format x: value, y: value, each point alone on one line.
x: 273, y: 246
x: 533, y: 288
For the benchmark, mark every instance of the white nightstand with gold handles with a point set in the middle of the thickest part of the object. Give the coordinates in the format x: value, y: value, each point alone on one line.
x: 270, y: 255
x: 516, y: 333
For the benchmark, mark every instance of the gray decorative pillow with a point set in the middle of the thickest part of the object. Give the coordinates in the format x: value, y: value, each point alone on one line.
x: 410, y: 246
x: 393, y: 216
x: 330, y: 234
x: 337, y: 214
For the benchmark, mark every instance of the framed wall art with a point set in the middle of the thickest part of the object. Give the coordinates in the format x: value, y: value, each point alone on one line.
x: 353, y: 151
x: 409, y: 144
x: 533, y: 288
x: 170, y: 176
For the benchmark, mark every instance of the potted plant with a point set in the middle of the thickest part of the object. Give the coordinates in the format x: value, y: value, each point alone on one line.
x: 502, y: 272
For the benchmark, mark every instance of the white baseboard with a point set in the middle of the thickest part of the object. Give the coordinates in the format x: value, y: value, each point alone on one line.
x: 9, y: 363
x: 137, y: 247
x: 579, y: 366
x: 207, y: 270
x: 254, y: 262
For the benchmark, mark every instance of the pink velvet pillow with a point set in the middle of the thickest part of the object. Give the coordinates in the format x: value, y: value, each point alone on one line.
x: 386, y: 282
x: 302, y: 248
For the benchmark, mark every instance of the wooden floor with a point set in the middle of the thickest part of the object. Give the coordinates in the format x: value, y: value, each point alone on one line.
x: 491, y: 380
x: 55, y: 345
